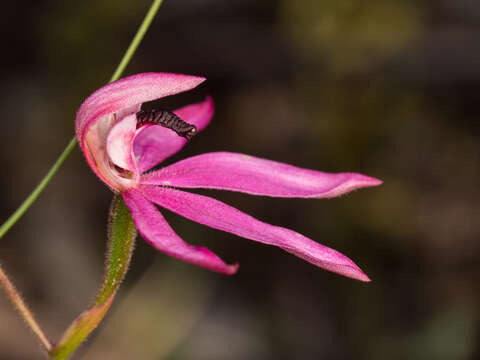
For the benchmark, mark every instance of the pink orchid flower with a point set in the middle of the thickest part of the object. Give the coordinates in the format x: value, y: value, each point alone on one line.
x: 121, y: 150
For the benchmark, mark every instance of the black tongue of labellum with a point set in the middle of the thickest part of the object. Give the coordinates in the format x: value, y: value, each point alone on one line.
x: 168, y: 120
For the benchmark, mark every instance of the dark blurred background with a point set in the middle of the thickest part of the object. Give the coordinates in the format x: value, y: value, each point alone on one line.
x: 384, y: 87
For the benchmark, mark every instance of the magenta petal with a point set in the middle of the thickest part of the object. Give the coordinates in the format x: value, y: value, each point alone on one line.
x: 248, y: 174
x: 155, y: 143
x: 155, y: 230
x: 129, y: 92
x: 218, y: 215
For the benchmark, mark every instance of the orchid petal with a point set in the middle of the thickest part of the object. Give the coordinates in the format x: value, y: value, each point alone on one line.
x: 155, y: 230
x: 120, y: 143
x: 129, y: 92
x: 248, y: 174
x: 213, y: 213
x: 155, y: 143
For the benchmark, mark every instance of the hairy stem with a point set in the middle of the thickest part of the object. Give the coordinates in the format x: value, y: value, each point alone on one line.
x: 24, y: 311
x: 121, y: 243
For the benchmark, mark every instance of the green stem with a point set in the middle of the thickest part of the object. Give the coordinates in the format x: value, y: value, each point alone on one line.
x: 137, y: 39
x: 71, y: 145
x: 121, y: 243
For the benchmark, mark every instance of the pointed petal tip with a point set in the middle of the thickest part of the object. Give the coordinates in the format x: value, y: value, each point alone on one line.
x: 342, y: 266
x: 360, y: 180
x: 363, y: 277
x: 232, y: 269
x: 373, y: 181
x: 354, y: 181
x: 354, y: 272
x: 214, y: 263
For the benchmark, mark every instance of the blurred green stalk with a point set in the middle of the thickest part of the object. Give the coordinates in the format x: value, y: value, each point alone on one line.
x: 121, y: 243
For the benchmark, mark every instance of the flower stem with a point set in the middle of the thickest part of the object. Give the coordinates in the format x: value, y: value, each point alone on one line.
x: 24, y: 311
x: 136, y: 40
